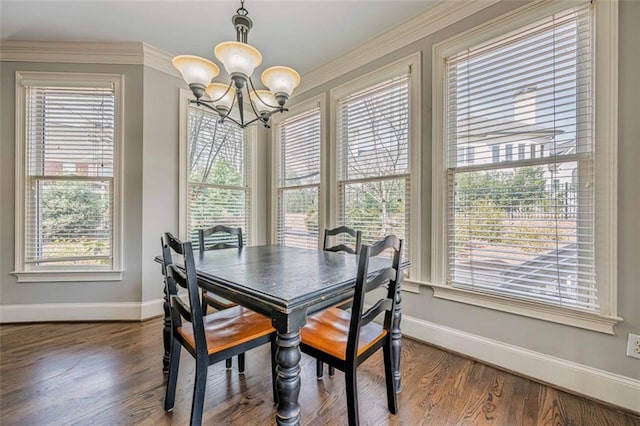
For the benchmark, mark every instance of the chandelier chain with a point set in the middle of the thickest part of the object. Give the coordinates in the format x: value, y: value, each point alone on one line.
x: 241, y: 10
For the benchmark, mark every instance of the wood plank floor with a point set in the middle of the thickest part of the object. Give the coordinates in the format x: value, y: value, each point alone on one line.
x: 111, y: 374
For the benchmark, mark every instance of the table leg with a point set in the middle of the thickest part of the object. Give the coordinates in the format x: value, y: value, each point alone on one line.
x: 288, y: 378
x: 396, y: 342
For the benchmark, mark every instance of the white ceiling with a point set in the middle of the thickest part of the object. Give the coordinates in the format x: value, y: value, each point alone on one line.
x: 299, y: 34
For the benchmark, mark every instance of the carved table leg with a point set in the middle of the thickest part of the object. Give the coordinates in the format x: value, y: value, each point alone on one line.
x: 396, y: 339
x: 288, y: 378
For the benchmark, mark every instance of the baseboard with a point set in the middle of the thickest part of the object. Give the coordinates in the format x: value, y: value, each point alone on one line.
x: 591, y: 382
x: 41, y: 312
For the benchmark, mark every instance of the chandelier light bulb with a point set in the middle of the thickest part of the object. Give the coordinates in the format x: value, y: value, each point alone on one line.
x: 196, y: 70
x: 237, y: 57
x: 281, y: 80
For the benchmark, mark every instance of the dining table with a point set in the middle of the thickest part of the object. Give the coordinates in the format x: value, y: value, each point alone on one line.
x: 287, y: 284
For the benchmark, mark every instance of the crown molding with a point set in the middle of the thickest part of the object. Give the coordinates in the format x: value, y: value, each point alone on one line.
x: 159, y: 60
x: 112, y: 53
x: 431, y: 20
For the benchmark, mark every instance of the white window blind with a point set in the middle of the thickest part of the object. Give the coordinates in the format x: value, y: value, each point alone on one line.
x: 217, y: 189
x: 522, y: 224
x: 373, y: 160
x: 299, y: 140
x: 69, y: 176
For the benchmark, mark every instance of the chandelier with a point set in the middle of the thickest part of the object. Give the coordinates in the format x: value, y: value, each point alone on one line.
x: 239, y: 60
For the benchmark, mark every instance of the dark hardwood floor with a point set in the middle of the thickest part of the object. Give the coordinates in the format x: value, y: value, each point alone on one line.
x: 111, y: 373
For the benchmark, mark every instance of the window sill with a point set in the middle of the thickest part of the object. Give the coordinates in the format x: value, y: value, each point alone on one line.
x: 67, y: 276
x: 560, y: 315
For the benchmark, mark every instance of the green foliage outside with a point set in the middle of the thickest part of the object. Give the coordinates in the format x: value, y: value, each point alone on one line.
x: 72, y: 218
x: 488, y: 208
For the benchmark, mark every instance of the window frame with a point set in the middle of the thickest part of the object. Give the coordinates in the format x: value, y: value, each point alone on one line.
x: 183, y: 178
x: 605, y: 138
x: 413, y: 63
x: 59, y: 273
x: 320, y: 102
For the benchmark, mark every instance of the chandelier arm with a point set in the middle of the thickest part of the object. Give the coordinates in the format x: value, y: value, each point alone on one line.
x: 253, y: 107
x: 203, y: 103
x: 228, y: 114
x: 224, y: 94
x: 248, y: 123
x: 227, y: 117
x: 261, y: 100
x: 264, y: 118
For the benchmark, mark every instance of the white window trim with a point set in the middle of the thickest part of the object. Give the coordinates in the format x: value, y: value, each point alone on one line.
x: 318, y: 101
x: 59, y: 273
x: 606, y: 119
x: 183, y: 121
x: 412, y: 62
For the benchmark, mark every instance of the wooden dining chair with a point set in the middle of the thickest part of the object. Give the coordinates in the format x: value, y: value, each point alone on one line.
x: 342, y: 231
x: 209, y: 338
x: 345, y: 339
x: 222, y: 237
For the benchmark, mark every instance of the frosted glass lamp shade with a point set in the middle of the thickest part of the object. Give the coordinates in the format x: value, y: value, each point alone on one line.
x: 281, y: 80
x: 196, y: 70
x: 269, y: 103
x: 216, y: 92
x: 237, y: 57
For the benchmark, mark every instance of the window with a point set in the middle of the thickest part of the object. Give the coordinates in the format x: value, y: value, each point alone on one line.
x: 298, y: 138
x: 471, y: 154
x: 466, y: 154
x: 67, y: 177
x: 216, y: 165
x: 375, y: 171
x: 495, y: 154
x: 526, y: 232
x: 508, y: 152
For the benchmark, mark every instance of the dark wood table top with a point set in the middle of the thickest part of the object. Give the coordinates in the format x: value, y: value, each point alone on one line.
x: 286, y: 278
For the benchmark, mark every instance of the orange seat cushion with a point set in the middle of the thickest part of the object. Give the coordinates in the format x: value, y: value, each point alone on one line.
x: 328, y: 331
x: 228, y: 328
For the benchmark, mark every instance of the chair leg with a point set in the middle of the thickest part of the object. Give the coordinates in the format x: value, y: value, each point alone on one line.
x: 228, y: 363
x: 319, y: 369
x: 332, y: 370
x: 204, y: 304
x: 274, y: 387
x: 241, y: 363
x: 392, y: 397
x: 174, y: 362
x: 352, y: 395
x: 199, y: 387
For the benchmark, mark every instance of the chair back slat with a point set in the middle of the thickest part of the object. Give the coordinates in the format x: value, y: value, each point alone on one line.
x: 177, y: 276
x: 371, y: 313
x: 381, y: 278
x: 390, y: 276
x: 342, y: 247
x: 178, y: 304
x: 220, y: 229
x: 388, y: 242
